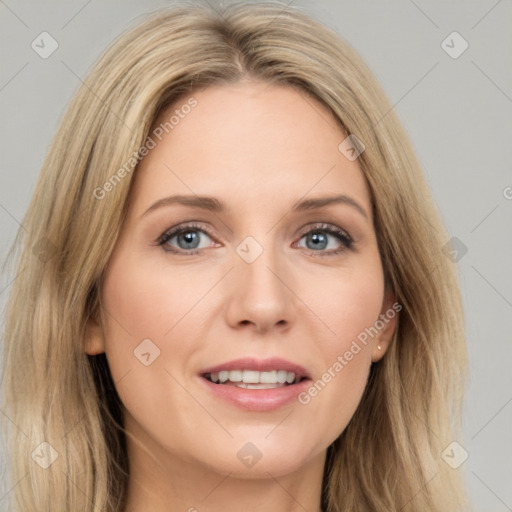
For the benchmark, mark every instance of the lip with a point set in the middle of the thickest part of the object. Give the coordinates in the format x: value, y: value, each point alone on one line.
x: 260, y: 365
x: 258, y: 400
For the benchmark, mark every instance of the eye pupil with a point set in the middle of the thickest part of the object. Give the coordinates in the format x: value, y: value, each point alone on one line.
x: 189, y: 236
x: 319, y: 239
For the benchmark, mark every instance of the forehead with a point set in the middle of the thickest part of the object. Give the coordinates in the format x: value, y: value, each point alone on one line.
x: 249, y: 142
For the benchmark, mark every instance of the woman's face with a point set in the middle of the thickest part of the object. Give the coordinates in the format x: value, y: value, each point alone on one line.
x: 262, y: 285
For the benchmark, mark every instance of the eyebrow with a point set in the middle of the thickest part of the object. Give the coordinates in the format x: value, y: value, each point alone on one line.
x: 214, y: 205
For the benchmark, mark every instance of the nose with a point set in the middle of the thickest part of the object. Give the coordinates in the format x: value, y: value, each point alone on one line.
x: 261, y: 296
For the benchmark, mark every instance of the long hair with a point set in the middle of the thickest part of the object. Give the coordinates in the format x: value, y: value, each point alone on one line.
x: 64, y: 436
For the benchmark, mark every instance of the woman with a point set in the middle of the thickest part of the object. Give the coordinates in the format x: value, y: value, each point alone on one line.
x: 232, y: 294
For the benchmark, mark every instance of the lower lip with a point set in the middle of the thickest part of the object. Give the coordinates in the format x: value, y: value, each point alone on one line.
x: 258, y: 399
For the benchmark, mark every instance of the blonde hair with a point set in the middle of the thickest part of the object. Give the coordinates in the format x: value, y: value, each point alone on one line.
x: 389, y: 456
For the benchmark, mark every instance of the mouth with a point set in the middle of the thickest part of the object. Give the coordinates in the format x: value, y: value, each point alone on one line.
x: 253, y: 379
x: 256, y: 385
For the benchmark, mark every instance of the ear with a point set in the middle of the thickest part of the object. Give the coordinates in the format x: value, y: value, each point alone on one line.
x: 386, y: 325
x: 94, y: 341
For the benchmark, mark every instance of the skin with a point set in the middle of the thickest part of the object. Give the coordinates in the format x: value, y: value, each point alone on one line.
x: 259, y: 148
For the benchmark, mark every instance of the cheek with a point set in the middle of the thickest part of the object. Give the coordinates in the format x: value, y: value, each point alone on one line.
x: 151, y: 318
x: 146, y: 298
x: 348, y: 303
x: 140, y: 312
x: 350, y: 306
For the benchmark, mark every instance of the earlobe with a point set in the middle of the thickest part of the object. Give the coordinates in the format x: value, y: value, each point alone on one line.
x: 387, y: 325
x: 94, y: 342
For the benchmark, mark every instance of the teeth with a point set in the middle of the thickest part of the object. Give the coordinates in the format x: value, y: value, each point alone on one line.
x: 252, y: 379
x: 258, y: 386
x: 264, y: 386
x: 268, y: 377
x: 235, y: 375
x: 281, y: 376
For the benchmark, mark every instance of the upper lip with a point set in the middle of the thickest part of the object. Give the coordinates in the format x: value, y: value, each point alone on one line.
x: 261, y: 365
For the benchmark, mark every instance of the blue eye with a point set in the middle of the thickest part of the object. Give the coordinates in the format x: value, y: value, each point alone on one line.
x: 319, y: 239
x: 186, y: 240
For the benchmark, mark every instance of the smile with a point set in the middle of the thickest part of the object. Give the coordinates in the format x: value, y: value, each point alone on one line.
x: 252, y: 379
x: 255, y: 384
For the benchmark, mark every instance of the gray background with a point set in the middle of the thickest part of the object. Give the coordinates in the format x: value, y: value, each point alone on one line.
x: 456, y: 111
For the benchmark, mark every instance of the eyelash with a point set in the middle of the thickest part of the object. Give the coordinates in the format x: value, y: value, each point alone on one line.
x: 340, y: 234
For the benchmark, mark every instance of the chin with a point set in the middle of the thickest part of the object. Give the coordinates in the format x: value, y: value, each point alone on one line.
x: 258, y: 458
